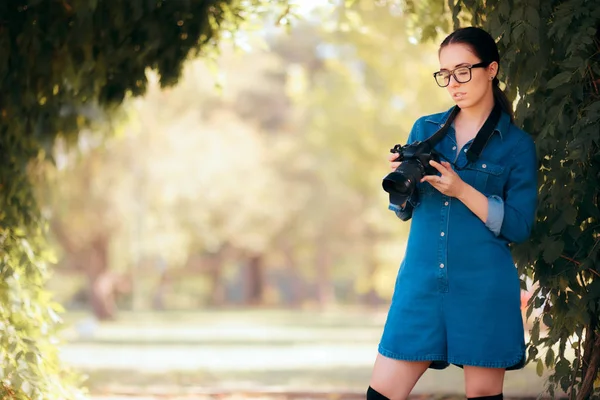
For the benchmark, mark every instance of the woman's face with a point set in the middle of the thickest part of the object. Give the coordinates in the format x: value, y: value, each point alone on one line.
x: 471, y: 93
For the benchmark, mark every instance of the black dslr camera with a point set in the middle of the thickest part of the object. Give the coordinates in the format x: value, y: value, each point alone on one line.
x: 415, y: 158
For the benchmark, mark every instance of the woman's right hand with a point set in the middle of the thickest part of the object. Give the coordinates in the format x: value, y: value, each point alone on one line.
x: 393, y: 164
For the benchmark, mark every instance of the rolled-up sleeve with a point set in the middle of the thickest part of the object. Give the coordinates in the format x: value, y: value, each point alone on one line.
x: 405, y: 213
x: 520, y: 197
x: 495, y: 214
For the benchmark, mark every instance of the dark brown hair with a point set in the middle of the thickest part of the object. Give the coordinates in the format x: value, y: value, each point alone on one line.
x: 484, y: 47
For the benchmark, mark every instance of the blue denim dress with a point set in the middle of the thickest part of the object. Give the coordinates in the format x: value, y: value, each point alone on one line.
x: 457, y: 294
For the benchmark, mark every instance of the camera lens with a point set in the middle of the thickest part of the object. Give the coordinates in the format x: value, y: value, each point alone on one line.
x: 398, y: 183
x: 403, y: 181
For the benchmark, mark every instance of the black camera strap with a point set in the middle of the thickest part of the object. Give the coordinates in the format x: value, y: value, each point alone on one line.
x: 439, y: 135
x: 481, y: 139
x: 484, y: 134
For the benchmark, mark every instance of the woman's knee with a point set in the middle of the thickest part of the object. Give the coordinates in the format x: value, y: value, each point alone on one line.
x: 394, y: 379
x: 482, y: 382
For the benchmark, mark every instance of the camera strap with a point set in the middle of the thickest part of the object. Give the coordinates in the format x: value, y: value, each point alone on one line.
x: 484, y: 134
x: 439, y: 135
x: 481, y: 139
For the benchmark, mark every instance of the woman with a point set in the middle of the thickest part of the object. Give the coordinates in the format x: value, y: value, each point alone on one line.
x: 457, y: 294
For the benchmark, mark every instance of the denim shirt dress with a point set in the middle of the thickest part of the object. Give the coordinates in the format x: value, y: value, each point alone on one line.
x: 457, y: 294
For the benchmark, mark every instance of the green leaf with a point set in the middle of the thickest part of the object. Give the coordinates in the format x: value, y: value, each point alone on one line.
x: 549, y: 359
x: 563, y: 368
x: 559, y: 79
x: 532, y: 16
x: 523, y: 284
x: 594, y: 291
x: 539, y: 369
x: 535, y: 332
x: 529, y: 311
x: 569, y: 215
x: 504, y: 9
x: 547, y: 320
x: 593, y: 110
x: 553, y: 250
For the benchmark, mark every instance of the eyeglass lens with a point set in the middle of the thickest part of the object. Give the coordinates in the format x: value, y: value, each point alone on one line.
x: 462, y: 75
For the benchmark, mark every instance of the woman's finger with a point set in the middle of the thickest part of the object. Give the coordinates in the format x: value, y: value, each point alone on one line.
x: 433, y: 179
x: 439, y: 167
x: 392, y: 156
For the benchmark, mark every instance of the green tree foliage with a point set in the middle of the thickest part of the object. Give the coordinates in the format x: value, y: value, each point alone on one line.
x: 550, y: 64
x: 60, y: 62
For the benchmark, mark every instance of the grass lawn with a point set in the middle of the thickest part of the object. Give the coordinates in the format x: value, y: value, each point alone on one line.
x: 244, y: 351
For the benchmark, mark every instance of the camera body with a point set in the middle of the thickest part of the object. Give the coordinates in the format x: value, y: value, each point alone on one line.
x: 415, y: 158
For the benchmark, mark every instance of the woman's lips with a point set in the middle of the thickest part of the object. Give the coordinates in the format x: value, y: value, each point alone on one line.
x: 458, y: 95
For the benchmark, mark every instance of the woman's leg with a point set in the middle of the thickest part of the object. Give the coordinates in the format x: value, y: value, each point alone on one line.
x: 395, y: 379
x: 484, y: 382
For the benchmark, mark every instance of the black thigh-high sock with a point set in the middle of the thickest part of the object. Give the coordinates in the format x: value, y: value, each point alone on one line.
x: 373, y: 394
x: 495, y: 397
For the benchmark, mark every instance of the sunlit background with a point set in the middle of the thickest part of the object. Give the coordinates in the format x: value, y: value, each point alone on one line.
x: 231, y: 234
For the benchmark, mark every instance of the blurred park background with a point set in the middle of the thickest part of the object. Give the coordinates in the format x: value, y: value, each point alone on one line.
x: 231, y: 232
x: 253, y: 182
x: 228, y: 233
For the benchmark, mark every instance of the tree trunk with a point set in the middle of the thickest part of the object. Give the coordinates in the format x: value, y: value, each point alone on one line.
x: 255, y: 282
x: 158, y: 298
x: 591, y: 364
x: 325, y: 293
x: 296, y: 297
x: 372, y: 297
x: 101, y: 297
x: 100, y: 279
x: 215, y: 275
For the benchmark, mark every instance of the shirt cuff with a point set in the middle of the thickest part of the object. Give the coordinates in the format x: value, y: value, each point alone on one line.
x: 395, y: 208
x: 495, y: 214
x: 410, y: 202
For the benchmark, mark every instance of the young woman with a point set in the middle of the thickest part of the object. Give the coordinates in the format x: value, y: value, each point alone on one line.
x: 457, y: 294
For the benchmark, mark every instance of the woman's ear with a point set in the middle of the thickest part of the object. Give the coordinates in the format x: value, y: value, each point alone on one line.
x: 493, y: 69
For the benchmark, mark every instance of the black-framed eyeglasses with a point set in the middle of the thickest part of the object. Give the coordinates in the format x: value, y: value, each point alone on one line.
x: 461, y: 74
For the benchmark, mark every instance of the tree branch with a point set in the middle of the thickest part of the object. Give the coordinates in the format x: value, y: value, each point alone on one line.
x: 578, y: 263
x: 591, y: 370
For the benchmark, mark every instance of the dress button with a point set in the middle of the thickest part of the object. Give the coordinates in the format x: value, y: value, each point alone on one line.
x: 446, y: 203
x: 453, y: 147
x: 484, y: 166
x: 441, y: 265
x: 465, y: 150
x: 442, y: 234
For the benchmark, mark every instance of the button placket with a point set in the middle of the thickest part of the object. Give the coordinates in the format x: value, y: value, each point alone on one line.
x: 443, y: 246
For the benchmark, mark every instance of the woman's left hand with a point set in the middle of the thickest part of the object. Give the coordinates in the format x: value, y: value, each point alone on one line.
x: 449, y: 183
